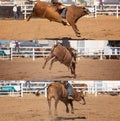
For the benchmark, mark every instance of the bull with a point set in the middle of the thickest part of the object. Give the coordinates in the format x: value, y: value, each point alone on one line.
x: 63, y: 55
x: 58, y: 91
x: 49, y: 11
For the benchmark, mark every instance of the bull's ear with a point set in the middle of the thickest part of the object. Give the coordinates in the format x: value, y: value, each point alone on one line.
x: 82, y: 7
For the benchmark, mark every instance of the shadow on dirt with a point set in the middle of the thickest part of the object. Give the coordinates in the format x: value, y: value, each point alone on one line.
x: 64, y: 77
x: 68, y: 118
x: 67, y: 38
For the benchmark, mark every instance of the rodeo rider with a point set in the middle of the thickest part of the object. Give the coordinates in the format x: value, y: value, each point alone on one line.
x: 60, y: 7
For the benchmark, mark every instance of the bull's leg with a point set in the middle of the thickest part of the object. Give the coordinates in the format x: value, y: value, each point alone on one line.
x: 74, y: 27
x: 84, y: 102
x: 76, y: 30
x: 47, y: 59
x: 56, y: 103
x: 67, y: 109
x: 72, y: 67
x: 49, y: 104
x: 72, y: 109
x: 52, y: 61
x: 30, y: 16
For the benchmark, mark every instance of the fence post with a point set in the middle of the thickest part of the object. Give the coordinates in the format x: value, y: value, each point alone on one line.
x: 45, y: 90
x: 33, y: 53
x: 21, y: 89
x: 25, y: 11
x: 95, y: 89
x: 95, y: 11
x: 101, y: 55
x: 11, y: 53
x: 117, y: 11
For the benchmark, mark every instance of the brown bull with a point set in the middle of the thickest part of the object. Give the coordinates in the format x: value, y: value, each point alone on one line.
x: 58, y: 91
x: 63, y: 55
x: 49, y: 11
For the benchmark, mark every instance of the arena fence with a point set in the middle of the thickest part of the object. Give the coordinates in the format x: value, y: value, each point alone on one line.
x: 35, y: 52
x: 107, y: 10
x: 26, y: 9
x: 11, y: 89
x: 107, y: 52
x: 19, y: 88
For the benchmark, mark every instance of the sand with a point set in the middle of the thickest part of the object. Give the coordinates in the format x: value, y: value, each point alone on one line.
x: 101, y: 28
x: 86, y: 69
x: 32, y: 108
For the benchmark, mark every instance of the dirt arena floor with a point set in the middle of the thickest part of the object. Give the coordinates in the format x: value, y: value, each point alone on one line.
x: 32, y: 108
x: 100, y: 28
x: 86, y: 69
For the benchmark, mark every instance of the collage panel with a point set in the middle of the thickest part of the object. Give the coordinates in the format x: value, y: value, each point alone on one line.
x: 59, y: 60
x: 82, y: 20
x: 31, y: 99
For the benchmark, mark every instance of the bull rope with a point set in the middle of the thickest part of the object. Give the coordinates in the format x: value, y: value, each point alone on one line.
x: 37, y: 93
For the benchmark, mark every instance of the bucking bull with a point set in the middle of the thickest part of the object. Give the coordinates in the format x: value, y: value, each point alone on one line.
x: 58, y: 91
x: 49, y: 11
x: 66, y: 56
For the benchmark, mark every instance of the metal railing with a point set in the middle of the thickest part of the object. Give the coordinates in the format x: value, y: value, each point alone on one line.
x: 98, y: 52
x: 35, y: 52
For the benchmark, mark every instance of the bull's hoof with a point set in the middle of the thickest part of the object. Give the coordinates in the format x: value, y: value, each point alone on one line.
x: 84, y: 103
x: 67, y: 111
x: 64, y: 23
x: 74, y: 76
x: 78, y: 35
x: 72, y: 112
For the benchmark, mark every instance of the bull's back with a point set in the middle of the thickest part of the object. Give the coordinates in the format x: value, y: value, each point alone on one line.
x: 56, y: 91
x: 39, y: 8
x: 46, y: 10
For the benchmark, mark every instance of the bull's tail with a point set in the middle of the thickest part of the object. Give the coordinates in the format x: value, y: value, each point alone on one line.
x: 37, y: 93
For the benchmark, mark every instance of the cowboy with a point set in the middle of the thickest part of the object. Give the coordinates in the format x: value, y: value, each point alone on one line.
x: 60, y: 7
x: 69, y: 87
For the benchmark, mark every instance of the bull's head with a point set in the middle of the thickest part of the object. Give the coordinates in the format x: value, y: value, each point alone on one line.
x: 82, y: 96
x: 85, y: 11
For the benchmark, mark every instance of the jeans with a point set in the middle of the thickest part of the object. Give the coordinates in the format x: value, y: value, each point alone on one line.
x: 69, y: 89
x: 15, y: 15
x: 64, y: 12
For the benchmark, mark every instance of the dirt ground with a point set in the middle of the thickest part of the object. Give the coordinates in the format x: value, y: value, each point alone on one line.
x: 32, y: 108
x: 100, y: 28
x: 86, y: 69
